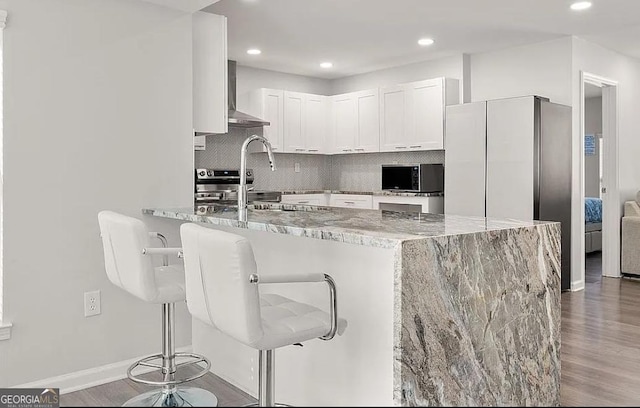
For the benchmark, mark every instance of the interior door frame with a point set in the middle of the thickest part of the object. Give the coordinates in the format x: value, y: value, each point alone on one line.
x: 611, y: 199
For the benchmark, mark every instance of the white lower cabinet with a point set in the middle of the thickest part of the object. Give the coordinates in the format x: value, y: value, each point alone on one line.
x: 351, y: 201
x: 305, y: 199
x: 433, y: 205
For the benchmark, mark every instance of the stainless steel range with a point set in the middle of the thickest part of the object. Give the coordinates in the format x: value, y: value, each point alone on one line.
x: 220, y: 186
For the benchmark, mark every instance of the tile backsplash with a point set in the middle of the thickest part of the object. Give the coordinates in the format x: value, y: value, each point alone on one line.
x: 223, y: 151
x: 362, y: 172
x: 358, y: 172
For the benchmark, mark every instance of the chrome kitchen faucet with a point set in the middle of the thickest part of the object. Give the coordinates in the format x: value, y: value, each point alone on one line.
x: 242, y: 189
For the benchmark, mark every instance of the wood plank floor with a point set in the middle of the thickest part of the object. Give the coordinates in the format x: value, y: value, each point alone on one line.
x: 116, y: 393
x: 600, y: 351
x: 601, y: 341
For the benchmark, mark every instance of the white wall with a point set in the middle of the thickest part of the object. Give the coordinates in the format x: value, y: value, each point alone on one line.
x: 593, y: 126
x: 249, y: 79
x: 97, y: 116
x: 542, y: 69
x: 594, y: 59
x: 452, y: 67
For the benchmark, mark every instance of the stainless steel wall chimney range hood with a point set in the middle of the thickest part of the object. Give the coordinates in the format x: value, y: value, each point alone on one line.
x: 236, y: 118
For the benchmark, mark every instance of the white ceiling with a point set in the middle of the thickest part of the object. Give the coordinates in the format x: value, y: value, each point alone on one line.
x: 365, y: 35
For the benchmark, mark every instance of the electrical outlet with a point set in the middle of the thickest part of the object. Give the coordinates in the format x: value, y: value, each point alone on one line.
x: 92, y: 303
x: 296, y: 167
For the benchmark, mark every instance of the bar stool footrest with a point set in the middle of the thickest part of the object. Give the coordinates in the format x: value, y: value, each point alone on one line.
x: 147, y: 362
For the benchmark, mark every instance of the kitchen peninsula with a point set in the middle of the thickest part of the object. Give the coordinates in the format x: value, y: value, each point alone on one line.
x: 442, y: 310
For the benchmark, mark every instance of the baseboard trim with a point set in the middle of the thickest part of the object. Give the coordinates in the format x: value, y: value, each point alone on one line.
x: 577, y: 286
x: 91, y: 377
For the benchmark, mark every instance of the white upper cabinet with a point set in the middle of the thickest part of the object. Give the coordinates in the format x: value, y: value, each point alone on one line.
x: 315, y: 123
x: 210, y: 113
x: 355, y: 122
x: 294, y: 122
x: 393, y: 119
x: 368, y: 114
x: 413, y: 114
x: 344, y: 123
x: 298, y: 121
x: 305, y: 122
x: 268, y: 104
x: 425, y: 130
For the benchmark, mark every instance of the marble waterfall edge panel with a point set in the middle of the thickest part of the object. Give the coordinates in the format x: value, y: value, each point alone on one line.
x: 480, y: 319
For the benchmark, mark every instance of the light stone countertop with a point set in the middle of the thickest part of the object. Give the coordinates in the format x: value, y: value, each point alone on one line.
x: 376, y: 228
x: 375, y: 193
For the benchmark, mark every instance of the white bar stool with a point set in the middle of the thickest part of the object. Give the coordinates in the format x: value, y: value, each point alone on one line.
x: 222, y: 291
x: 127, y: 255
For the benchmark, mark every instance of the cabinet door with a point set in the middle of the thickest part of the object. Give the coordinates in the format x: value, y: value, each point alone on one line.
x: 344, y: 123
x: 351, y: 201
x: 315, y: 123
x: 305, y: 199
x: 273, y: 112
x: 294, y: 122
x: 393, y: 121
x: 210, y: 112
x: 368, y: 113
x: 426, y: 114
x: 465, y: 159
x: 510, y: 158
x: 433, y: 205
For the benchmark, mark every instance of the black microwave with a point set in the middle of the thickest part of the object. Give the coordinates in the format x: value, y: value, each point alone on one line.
x: 419, y: 178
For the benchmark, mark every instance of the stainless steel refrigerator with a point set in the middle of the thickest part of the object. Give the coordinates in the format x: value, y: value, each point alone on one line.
x: 511, y: 158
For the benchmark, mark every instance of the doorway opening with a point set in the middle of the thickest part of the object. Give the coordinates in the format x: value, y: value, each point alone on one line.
x: 600, y: 212
x: 592, y: 173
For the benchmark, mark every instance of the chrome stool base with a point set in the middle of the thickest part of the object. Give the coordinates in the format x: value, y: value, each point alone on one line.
x: 180, y: 397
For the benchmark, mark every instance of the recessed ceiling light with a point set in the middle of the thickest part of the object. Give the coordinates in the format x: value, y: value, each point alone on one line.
x: 254, y: 51
x: 581, y: 5
x: 326, y: 65
x: 425, y: 41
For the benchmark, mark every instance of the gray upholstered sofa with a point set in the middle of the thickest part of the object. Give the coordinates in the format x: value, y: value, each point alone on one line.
x: 631, y: 237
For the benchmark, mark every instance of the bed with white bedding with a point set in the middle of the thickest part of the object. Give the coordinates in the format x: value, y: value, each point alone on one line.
x: 592, y: 224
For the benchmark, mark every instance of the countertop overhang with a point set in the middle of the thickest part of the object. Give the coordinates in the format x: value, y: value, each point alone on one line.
x: 376, y: 228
